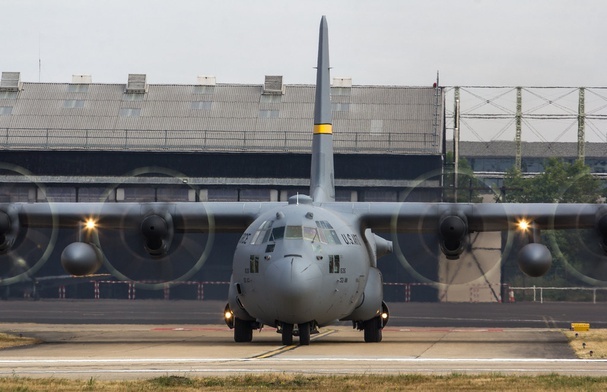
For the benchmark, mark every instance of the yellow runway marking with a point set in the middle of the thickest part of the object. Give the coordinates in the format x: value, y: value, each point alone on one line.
x: 284, y: 349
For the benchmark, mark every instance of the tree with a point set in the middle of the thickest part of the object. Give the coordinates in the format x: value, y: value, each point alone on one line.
x: 576, y: 253
x: 561, y: 182
x: 468, y: 186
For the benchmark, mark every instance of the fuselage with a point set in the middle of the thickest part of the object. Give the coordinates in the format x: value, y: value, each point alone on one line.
x: 299, y: 263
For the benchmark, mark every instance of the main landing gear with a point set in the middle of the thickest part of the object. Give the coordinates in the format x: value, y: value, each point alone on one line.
x: 372, y: 330
x: 243, y: 329
x: 373, y: 327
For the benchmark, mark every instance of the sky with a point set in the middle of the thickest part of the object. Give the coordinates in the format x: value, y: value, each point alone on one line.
x: 381, y: 42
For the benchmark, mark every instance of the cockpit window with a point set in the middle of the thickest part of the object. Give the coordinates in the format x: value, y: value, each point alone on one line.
x: 309, y: 233
x: 324, y: 225
x: 293, y: 232
x: 326, y: 230
x: 262, y: 234
x: 306, y: 233
x: 278, y: 233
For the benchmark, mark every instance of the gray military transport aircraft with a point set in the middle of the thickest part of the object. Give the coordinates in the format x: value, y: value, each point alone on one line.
x: 308, y: 262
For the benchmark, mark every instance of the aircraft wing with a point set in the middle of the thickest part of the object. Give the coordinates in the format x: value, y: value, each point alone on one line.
x: 452, y: 222
x: 477, y: 217
x: 194, y: 217
x: 156, y: 228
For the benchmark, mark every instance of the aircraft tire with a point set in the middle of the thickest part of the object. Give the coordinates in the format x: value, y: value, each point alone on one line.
x: 372, y: 328
x: 304, y: 334
x: 243, y: 332
x: 287, y: 334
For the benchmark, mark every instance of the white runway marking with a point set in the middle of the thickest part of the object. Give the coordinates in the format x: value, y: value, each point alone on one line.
x: 58, y: 361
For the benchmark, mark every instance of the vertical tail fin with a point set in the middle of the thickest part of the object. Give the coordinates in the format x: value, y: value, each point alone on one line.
x: 322, y: 186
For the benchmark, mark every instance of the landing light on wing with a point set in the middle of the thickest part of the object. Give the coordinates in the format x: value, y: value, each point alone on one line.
x: 90, y: 224
x: 523, y: 225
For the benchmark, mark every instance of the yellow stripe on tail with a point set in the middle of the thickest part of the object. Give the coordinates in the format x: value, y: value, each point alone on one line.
x: 323, y: 128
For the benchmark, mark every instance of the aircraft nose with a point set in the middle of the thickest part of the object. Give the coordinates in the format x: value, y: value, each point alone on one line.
x: 294, y: 284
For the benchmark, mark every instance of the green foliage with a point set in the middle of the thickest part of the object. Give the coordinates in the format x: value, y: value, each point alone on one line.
x: 575, y: 252
x: 354, y: 382
x: 172, y: 381
x: 561, y: 182
x: 468, y: 186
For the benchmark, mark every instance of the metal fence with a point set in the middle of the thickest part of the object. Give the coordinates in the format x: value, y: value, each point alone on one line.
x: 211, y: 140
x: 538, y: 292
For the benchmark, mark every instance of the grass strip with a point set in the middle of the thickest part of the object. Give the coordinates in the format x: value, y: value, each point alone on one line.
x: 589, y: 344
x: 7, y: 341
x: 287, y: 382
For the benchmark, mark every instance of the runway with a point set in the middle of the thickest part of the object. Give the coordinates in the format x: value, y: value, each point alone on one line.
x: 145, y: 350
x: 136, y: 351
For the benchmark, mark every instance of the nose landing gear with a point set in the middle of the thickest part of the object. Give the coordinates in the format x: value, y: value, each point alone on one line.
x: 287, y: 334
x: 304, y: 333
x: 303, y: 330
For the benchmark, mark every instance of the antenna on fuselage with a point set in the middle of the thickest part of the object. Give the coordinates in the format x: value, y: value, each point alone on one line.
x: 322, y: 186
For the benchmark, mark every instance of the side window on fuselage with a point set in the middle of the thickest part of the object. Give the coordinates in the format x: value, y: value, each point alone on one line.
x: 254, y: 264
x: 334, y: 264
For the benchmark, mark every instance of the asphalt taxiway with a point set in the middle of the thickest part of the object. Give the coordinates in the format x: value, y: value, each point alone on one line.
x: 147, y: 349
x: 411, y: 314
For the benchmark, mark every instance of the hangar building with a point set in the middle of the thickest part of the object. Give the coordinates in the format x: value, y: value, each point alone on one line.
x: 209, y: 141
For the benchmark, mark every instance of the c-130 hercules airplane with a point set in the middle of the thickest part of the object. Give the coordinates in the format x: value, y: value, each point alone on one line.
x: 307, y: 263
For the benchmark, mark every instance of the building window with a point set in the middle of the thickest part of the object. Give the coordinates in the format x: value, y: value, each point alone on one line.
x: 266, y: 113
x: 6, y: 110
x: 377, y: 126
x: 73, y: 103
x: 271, y: 98
x: 341, y: 91
x: 8, y: 95
x: 204, y: 89
x: 130, y: 112
x: 133, y: 97
x: 77, y: 88
x: 341, y: 107
x: 202, y: 105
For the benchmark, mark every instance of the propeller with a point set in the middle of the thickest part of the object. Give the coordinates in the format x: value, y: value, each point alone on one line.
x: 450, y: 238
x: 152, y: 250
x: 23, y: 251
x: 583, y: 252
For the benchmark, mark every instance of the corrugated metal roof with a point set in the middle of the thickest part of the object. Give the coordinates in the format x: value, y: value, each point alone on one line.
x: 385, y: 119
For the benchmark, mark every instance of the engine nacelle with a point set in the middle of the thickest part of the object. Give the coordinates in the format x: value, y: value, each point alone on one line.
x: 157, y: 234
x: 452, y: 230
x: 9, y: 228
x: 534, y: 259
x: 80, y: 258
